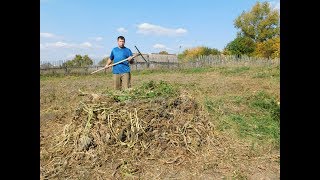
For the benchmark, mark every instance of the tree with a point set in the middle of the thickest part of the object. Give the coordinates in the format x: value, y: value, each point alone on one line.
x: 68, y: 64
x: 103, y: 62
x: 79, y: 61
x: 86, y: 61
x: 210, y: 51
x: 259, y: 33
x: 260, y: 23
x: 240, y: 46
x: 269, y: 48
x: 163, y: 52
x: 193, y: 53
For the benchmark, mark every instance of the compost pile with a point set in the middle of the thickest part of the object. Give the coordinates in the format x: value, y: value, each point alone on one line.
x: 115, y: 133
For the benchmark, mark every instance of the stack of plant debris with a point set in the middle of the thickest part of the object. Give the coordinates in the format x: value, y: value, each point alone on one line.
x: 113, y: 133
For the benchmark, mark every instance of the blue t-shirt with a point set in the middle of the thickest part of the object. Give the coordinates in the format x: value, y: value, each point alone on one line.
x: 118, y: 54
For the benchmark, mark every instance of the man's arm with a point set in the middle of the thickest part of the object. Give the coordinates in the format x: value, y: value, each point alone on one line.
x: 130, y: 58
x: 109, y: 61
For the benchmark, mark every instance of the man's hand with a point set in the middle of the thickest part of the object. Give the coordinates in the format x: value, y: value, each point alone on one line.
x: 129, y: 58
x: 109, y: 61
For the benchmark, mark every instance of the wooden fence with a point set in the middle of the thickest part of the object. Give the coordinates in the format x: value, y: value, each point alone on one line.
x: 169, y: 63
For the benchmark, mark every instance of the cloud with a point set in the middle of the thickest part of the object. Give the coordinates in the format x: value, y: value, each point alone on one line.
x: 99, y: 38
x: 47, y: 35
x: 96, y: 38
x: 122, y: 30
x: 98, y: 46
x: 59, y: 44
x: 146, y: 28
x: 86, y: 44
x: 161, y: 46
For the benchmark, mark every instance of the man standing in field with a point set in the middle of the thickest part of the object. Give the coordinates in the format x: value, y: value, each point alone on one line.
x: 121, y: 72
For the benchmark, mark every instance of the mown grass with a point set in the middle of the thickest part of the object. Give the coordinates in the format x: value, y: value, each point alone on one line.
x: 242, y: 103
x: 262, y: 72
x: 258, y: 121
x: 235, y: 70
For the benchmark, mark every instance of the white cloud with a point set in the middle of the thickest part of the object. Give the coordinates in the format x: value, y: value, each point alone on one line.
x: 98, y: 46
x: 99, y: 38
x: 161, y: 46
x: 96, y: 38
x: 146, y: 28
x: 122, y: 30
x: 59, y: 44
x: 86, y: 44
x: 47, y: 35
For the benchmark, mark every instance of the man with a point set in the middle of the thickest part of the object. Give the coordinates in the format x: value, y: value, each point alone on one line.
x: 121, y: 72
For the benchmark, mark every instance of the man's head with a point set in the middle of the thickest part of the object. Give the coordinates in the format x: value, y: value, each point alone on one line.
x: 121, y: 41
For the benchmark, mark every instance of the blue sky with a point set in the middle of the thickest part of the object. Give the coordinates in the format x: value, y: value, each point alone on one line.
x: 69, y: 27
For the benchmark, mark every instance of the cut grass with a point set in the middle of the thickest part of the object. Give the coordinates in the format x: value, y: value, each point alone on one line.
x: 243, y: 109
x: 235, y: 70
x: 259, y: 120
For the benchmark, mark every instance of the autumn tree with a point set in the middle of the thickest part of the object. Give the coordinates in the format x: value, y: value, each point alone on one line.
x: 269, y: 48
x: 192, y: 53
x: 259, y: 32
x: 163, y: 52
x: 260, y: 23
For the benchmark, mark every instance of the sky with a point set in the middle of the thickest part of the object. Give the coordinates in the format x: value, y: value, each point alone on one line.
x: 69, y: 27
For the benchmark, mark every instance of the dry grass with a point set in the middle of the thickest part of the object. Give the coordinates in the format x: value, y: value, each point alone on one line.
x: 154, y: 138
x: 163, y: 130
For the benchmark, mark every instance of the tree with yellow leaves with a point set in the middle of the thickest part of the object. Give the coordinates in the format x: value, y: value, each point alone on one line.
x: 259, y: 33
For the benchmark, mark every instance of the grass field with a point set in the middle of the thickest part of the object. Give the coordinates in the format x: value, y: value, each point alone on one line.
x: 242, y: 103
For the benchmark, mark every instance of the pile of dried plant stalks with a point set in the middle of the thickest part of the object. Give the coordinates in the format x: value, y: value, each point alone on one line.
x: 107, y: 138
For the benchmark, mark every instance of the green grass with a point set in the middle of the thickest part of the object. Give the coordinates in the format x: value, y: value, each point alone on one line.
x: 235, y: 70
x: 197, y: 70
x: 259, y: 121
x: 269, y: 72
x: 147, y: 90
x: 259, y: 115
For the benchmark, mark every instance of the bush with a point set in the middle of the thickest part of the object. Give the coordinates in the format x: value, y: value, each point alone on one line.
x: 192, y: 53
